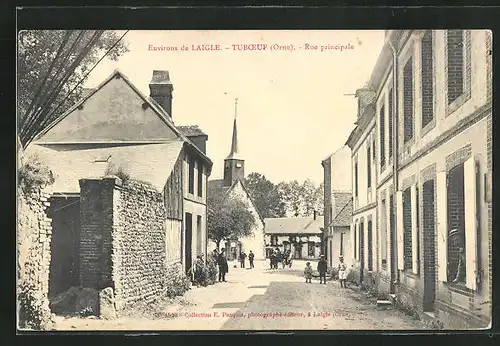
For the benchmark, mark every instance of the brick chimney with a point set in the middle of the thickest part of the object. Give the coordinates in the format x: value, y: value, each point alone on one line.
x: 160, y: 89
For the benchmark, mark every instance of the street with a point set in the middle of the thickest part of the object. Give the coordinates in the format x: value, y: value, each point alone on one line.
x: 261, y: 299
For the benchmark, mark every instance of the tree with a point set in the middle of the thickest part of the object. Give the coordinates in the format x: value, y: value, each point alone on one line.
x: 265, y: 195
x: 228, y: 218
x: 38, y: 49
x: 301, y: 199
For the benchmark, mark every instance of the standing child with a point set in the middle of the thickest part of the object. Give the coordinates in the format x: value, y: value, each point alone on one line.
x: 342, y: 272
x: 308, y: 272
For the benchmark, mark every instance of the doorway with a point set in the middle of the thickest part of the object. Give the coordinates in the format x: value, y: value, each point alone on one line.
x: 63, y: 270
x: 188, y: 243
x: 428, y: 223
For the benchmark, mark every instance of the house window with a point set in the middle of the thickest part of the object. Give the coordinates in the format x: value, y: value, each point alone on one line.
x: 356, y: 179
x: 310, y: 249
x: 382, y: 136
x: 407, y: 229
x: 408, y: 100
x: 342, y: 244
x: 427, y: 77
x: 287, y: 246
x: 274, y: 240
x: 383, y: 234
x: 455, y: 50
x: 370, y: 246
x: 391, y: 110
x: 200, y: 180
x: 191, y: 176
x: 456, y: 225
x: 369, y: 167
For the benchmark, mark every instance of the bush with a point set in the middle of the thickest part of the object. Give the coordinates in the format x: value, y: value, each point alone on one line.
x: 200, y: 276
x: 118, y: 171
x: 212, y: 270
x: 34, y: 174
x: 33, y: 314
x: 177, y: 283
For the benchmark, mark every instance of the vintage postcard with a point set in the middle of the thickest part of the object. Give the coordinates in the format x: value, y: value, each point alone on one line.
x: 254, y: 180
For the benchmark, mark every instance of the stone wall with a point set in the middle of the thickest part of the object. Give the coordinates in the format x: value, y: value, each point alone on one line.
x: 33, y: 246
x: 129, y: 253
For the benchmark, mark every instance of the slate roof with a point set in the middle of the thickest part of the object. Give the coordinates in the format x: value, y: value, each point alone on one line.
x: 293, y: 225
x: 342, y: 215
x: 162, y: 113
x: 216, y: 188
x: 191, y: 130
x: 152, y: 163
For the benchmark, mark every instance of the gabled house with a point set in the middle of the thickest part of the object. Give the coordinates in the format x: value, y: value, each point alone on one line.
x: 117, y: 130
x: 232, y: 185
x: 300, y: 235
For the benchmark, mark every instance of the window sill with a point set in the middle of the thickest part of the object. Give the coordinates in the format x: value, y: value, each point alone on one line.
x: 409, y: 273
x: 459, y: 288
x: 428, y: 127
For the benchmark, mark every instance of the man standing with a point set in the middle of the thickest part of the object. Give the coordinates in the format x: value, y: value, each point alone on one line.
x: 223, y: 266
x: 243, y: 255
x: 250, y: 258
x: 322, y: 267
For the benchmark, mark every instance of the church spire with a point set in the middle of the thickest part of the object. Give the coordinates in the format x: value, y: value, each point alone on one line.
x: 234, y: 165
x: 233, y: 154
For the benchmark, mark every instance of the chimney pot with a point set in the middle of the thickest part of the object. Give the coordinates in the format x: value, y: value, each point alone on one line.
x: 161, y: 88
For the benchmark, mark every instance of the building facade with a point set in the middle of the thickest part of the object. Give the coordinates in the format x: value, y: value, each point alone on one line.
x: 433, y: 174
x: 337, y: 182
x: 362, y: 142
x: 300, y: 235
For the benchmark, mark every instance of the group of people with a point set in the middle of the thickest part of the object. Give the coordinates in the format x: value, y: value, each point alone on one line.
x: 243, y: 256
x: 222, y: 263
x: 323, y: 268
x: 276, y: 257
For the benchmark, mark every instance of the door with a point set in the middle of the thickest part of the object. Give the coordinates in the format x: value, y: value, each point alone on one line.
x: 428, y: 223
x: 189, y: 240
x: 63, y: 271
x: 393, y: 244
x: 298, y: 251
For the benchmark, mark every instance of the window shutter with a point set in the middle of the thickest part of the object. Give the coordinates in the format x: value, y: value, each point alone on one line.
x: 414, y: 229
x: 388, y: 234
x: 471, y: 224
x: 442, y: 226
x: 400, y: 229
x: 351, y: 254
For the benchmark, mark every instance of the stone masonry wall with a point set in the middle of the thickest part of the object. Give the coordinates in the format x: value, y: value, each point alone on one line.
x: 139, y: 246
x: 33, y: 246
x: 123, y: 243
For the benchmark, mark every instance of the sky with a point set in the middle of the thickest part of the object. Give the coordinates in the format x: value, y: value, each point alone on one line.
x: 292, y: 111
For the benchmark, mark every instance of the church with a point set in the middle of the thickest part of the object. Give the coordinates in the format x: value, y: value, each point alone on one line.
x: 232, y: 185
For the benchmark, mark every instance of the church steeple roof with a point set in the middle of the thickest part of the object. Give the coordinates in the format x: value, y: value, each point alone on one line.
x: 234, y: 154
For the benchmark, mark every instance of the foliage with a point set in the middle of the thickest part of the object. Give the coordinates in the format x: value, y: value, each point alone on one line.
x: 228, y: 218
x: 200, y: 275
x: 212, y: 269
x: 36, y: 51
x: 118, y: 170
x: 177, y: 282
x: 301, y: 199
x: 33, y: 314
x: 265, y: 195
x: 34, y: 174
